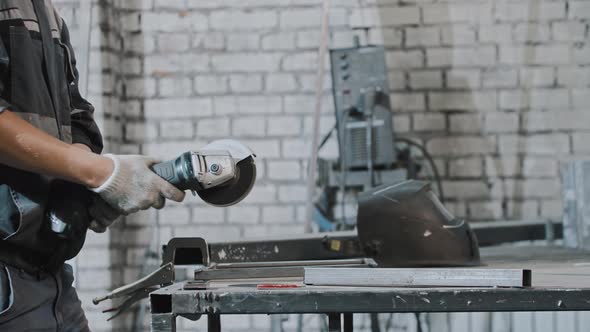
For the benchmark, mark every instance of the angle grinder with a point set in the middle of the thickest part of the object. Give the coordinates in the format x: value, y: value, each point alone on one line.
x: 222, y: 173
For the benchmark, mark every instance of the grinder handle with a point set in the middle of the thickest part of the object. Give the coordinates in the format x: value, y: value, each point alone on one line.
x: 167, y: 171
x: 179, y: 172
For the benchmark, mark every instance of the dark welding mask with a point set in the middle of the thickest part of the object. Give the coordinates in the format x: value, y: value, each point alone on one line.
x: 406, y: 225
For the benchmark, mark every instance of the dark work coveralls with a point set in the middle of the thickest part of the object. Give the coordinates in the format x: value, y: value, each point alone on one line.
x: 38, y: 82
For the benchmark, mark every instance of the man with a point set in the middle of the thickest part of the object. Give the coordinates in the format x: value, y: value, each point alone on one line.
x: 47, y: 134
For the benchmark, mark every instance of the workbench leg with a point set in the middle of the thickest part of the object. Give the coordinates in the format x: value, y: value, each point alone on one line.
x: 348, y: 322
x: 334, y: 324
x: 214, y: 323
x: 375, y: 327
x: 163, y: 323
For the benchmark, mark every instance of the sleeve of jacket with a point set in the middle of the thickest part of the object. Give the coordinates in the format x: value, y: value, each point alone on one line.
x: 84, y: 128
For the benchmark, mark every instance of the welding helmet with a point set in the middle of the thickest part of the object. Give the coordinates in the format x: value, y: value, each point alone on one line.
x: 406, y: 225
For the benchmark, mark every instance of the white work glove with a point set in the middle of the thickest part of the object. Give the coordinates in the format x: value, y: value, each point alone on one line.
x: 133, y: 186
x: 103, y: 215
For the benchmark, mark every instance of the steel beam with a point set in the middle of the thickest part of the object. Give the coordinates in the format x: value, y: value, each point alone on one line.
x: 249, y: 300
x: 346, y: 245
x: 337, y: 245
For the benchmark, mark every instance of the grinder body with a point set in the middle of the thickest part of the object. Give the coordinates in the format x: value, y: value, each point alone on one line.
x: 196, y: 170
x: 222, y: 173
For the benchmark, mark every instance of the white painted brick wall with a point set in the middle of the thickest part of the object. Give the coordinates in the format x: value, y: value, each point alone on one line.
x: 458, y: 35
x: 505, y: 166
x: 429, y: 122
x: 281, y: 83
x: 242, y: 20
x: 537, y: 77
x: 496, y: 122
x: 466, y: 123
x: 385, y: 16
x: 535, y: 55
x: 426, y: 79
x: 498, y: 78
x: 539, y: 167
x: 213, y: 127
x: 174, y: 87
x: 211, y: 84
x: 488, y: 210
x: 498, y: 91
x: 549, y: 144
x: 242, y: 42
x: 245, y: 62
x: 480, y: 56
x: 466, y: 167
x: 463, y: 78
x: 463, y: 101
x: 459, y: 146
x: 423, y: 36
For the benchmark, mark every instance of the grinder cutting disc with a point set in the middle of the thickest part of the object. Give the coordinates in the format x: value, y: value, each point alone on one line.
x: 236, y: 190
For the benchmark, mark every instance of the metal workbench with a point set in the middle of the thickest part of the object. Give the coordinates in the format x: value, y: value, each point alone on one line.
x: 561, y: 282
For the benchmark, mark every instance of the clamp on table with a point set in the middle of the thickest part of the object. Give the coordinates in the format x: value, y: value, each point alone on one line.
x: 179, y: 251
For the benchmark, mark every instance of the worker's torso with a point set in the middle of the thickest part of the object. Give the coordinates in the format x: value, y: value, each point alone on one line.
x: 34, y: 81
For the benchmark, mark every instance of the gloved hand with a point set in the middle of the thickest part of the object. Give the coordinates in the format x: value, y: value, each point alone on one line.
x: 103, y: 215
x: 133, y: 186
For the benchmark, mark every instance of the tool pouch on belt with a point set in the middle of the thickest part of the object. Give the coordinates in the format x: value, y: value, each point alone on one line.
x: 68, y: 205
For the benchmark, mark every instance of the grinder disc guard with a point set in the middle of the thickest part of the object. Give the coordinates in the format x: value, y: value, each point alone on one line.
x: 405, y: 225
x: 234, y: 191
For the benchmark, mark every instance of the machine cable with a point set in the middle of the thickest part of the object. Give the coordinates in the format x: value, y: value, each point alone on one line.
x: 431, y: 162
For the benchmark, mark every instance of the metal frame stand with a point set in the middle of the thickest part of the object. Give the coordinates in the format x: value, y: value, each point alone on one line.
x: 340, y: 322
x: 334, y: 324
x: 214, y: 323
x: 163, y: 322
x: 348, y: 322
x: 167, y: 322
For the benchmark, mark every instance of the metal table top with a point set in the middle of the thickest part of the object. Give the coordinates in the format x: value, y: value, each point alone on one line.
x: 561, y: 281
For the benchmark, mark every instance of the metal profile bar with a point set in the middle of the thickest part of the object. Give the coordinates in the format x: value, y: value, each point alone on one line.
x: 271, y: 271
x: 498, y: 232
x: 334, y: 324
x: 214, y: 323
x: 331, y: 262
x: 299, y: 248
x: 249, y: 273
x: 348, y: 319
x: 421, y: 277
